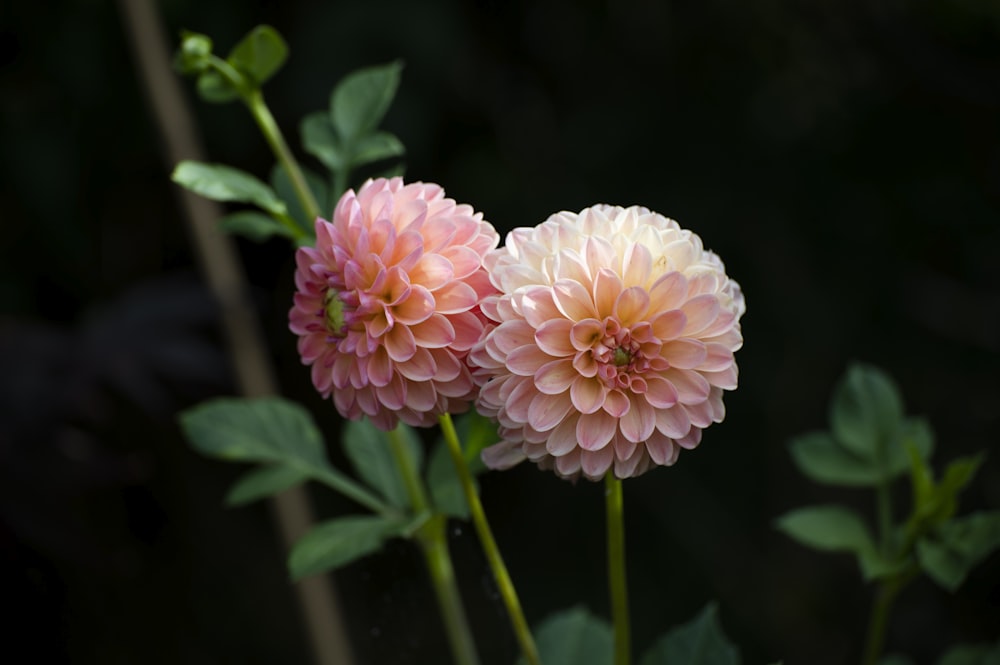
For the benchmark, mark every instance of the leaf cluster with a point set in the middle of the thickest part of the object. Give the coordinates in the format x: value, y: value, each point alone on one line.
x: 343, y: 138
x: 284, y: 440
x: 577, y: 637
x: 871, y: 443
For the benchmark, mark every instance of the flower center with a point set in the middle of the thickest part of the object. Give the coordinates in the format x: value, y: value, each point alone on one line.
x: 621, y: 356
x: 334, y: 308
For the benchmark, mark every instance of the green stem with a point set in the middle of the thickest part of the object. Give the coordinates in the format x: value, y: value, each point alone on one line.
x: 879, y: 621
x: 431, y: 537
x: 262, y: 115
x: 489, y: 544
x: 616, y: 568
x: 884, y: 519
x: 352, y: 490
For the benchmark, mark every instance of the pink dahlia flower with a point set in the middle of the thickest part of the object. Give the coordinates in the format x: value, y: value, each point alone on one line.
x: 612, y: 342
x: 387, y: 306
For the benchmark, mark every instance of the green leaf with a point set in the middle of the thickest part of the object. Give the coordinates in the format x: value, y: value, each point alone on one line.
x: 820, y: 457
x: 266, y: 429
x: 253, y: 225
x: 361, y: 99
x: 224, y: 183
x: 320, y: 140
x: 957, y: 546
x: 866, y: 411
x: 972, y: 654
x: 194, y: 53
x: 835, y: 528
x: 698, y: 642
x: 475, y: 432
x: 338, y: 542
x: 375, y: 147
x: 445, y: 487
x: 260, y: 54
x: 264, y: 482
x: 282, y: 184
x: 369, y: 450
x: 215, y: 88
x: 573, y: 637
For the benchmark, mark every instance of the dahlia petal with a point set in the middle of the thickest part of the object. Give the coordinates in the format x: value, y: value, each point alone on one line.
x: 553, y: 337
x: 607, y: 286
x: 595, y: 430
x: 595, y: 463
x: 722, y: 323
x: 538, y: 306
x: 454, y: 297
x: 468, y: 330
x: 420, y: 396
x: 569, y: 265
x: 639, y: 421
x: 637, y: 264
x: 435, y: 332
x: 420, y: 367
x: 717, y: 358
x: 573, y: 300
x: 547, y: 411
x: 462, y: 387
x: 616, y: 403
x: 585, y: 364
x: 700, y: 311
x: 684, y: 353
x: 563, y: 438
x: 418, y: 306
x: 512, y: 334
x: 379, y: 368
x: 699, y: 414
x: 527, y: 360
x: 663, y: 451
x: 630, y: 466
x: 400, y: 343
x: 502, y: 455
x: 660, y: 393
x: 624, y: 449
x: 691, y: 386
x: 586, y: 333
x: 668, y: 292
x: 587, y: 394
x: 691, y: 440
x: 393, y: 395
x: 598, y: 252
x: 726, y: 379
x: 672, y: 422
x: 322, y: 378
x: 631, y: 305
x: 464, y: 261
x: 519, y: 400
x: 555, y: 377
x: 448, y: 366
x: 569, y: 464
x: 431, y: 271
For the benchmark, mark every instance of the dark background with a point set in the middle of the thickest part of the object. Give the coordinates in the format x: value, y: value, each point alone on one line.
x: 842, y: 157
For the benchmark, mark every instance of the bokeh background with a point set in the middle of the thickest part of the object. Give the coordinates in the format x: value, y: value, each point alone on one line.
x: 842, y: 157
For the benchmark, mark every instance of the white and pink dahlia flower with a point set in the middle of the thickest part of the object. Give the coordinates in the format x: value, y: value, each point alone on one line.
x: 613, y: 340
x: 387, y: 307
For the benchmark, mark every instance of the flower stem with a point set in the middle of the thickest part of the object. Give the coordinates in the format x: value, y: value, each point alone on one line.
x: 431, y: 538
x: 879, y: 621
x: 262, y: 115
x: 489, y: 544
x: 616, y: 568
